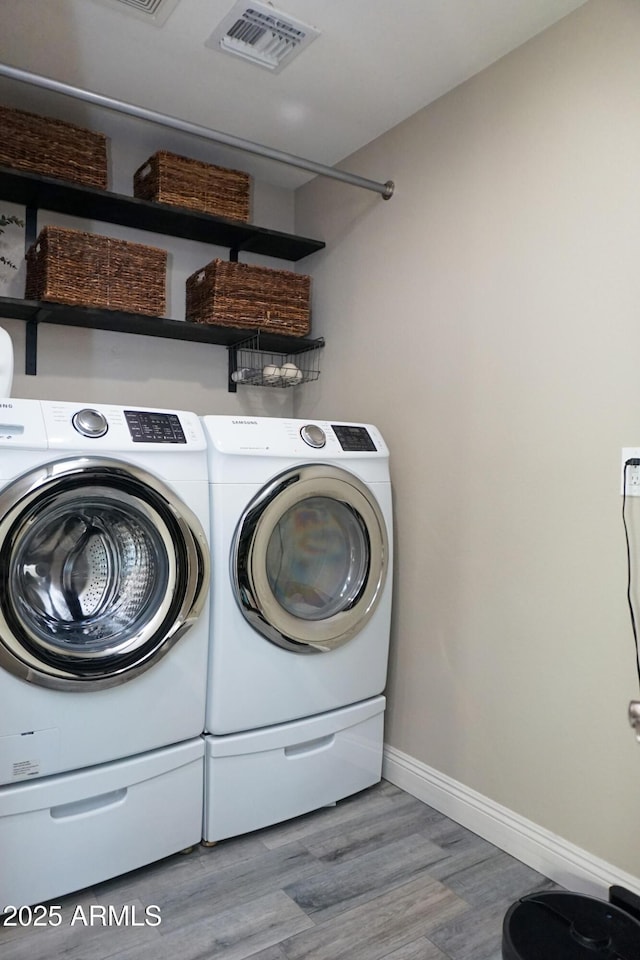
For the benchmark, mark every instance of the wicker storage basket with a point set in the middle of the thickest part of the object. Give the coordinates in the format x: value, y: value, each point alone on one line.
x: 169, y: 178
x: 53, y: 148
x: 83, y: 269
x: 241, y: 295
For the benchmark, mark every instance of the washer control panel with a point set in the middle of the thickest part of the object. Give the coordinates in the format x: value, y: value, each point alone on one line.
x: 112, y: 429
x: 90, y: 423
x: 353, y: 438
x: 151, y: 427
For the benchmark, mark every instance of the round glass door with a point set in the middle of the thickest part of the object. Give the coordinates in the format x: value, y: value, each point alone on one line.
x: 105, y: 569
x: 310, y: 559
x: 317, y: 558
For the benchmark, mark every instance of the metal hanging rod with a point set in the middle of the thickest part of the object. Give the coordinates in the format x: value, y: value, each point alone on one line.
x: 384, y: 189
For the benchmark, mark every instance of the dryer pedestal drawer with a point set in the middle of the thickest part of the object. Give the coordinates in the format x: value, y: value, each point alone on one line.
x: 265, y: 776
x: 60, y: 834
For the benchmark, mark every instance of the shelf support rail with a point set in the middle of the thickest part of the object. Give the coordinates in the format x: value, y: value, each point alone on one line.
x: 31, y: 339
x: 24, y: 76
x: 31, y: 348
x: 31, y: 342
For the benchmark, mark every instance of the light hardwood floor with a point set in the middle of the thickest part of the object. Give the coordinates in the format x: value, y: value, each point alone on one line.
x: 379, y: 876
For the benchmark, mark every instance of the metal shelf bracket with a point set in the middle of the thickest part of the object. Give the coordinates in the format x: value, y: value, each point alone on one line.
x: 232, y: 358
x: 31, y: 348
x: 31, y: 342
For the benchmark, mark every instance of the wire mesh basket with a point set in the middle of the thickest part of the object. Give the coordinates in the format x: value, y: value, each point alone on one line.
x: 252, y: 365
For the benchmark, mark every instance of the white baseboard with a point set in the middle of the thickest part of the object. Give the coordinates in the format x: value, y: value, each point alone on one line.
x: 555, y: 858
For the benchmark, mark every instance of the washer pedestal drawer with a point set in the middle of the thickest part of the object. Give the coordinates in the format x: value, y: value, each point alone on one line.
x: 265, y: 776
x: 62, y: 833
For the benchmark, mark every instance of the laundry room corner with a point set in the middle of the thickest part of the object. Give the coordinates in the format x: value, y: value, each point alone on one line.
x: 319, y: 479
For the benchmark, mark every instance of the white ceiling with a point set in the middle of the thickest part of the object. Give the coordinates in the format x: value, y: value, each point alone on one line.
x: 374, y: 64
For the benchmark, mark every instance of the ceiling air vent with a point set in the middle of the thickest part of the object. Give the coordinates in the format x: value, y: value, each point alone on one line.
x: 153, y: 11
x: 261, y: 34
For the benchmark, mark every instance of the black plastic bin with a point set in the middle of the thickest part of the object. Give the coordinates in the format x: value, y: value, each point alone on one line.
x: 556, y: 925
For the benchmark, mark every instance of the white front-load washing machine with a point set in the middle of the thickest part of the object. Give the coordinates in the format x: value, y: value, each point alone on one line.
x: 301, y: 539
x: 104, y: 628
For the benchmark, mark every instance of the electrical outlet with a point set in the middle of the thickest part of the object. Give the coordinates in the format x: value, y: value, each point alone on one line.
x: 632, y: 473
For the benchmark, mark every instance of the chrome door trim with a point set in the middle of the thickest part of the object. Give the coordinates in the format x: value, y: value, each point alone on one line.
x: 192, y: 567
x: 248, y: 554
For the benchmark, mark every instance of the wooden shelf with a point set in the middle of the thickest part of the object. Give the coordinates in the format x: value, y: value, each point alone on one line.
x: 35, y: 312
x: 45, y: 193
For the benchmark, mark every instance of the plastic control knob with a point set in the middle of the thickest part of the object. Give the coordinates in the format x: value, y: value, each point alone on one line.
x: 90, y: 423
x: 313, y: 435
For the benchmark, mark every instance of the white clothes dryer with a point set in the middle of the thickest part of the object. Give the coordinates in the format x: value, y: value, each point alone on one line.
x: 301, y: 538
x: 104, y: 628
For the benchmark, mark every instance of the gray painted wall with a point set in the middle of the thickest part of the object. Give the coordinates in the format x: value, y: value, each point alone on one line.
x: 487, y: 318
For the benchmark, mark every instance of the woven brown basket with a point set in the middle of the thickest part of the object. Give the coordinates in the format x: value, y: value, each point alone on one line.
x: 182, y: 182
x: 53, y: 148
x: 83, y: 269
x: 242, y: 295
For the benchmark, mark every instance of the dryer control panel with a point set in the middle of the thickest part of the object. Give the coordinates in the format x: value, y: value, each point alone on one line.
x: 353, y: 438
